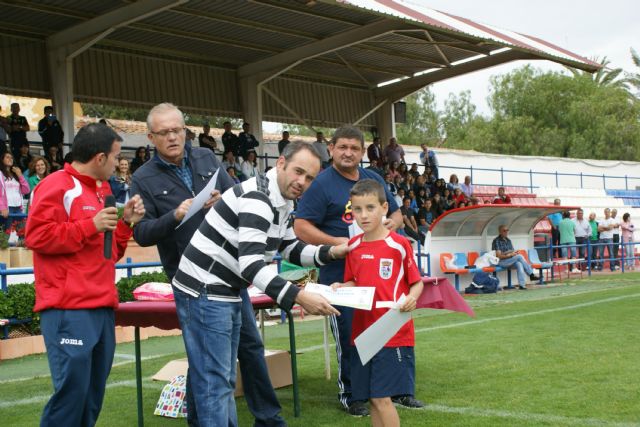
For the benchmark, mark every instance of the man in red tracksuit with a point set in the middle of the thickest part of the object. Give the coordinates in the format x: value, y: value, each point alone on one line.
x: 75, y: 291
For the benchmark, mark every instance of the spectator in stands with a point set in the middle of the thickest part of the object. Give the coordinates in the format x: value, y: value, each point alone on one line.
x: 627, y: 240
x: 458, y: 198
x: 439, y: 187
x: 583, y: 231
x: 38, y: 169
x: 414, y: 170
x: 190, y: 136
x: 554, y: 220
x: 209, y: 142
x: 205, y: 133
x: 605, y: 227
x: 502, y: 198
x: 429, y: 159
x: 232, y: 173
x: 284, y: 141
x: 18, y: 129
x: 467, y: 187
x: 447, y: 200
x: 120, y: 182
x: 403, y: 171
x: 24, y: 158
x: 393, y: 152
x: 4, y: 133
x: 50, y: 129
x: 429, y: 177
x: 250, y: 165
x: 373, y: 166
x: 399, y: 183
x: 53, y: 158
x: 594, y: 238
x: 399, y: 196
x: 12, y: 189
x: 388, y: 183
x: 320, y: 145
x: 616, y: 237
x: 410, y: 224
x: 374, y: 151
x: 567, y: 229
x: 510, y: 258
x: 230, y: 161
x: 438, y: 204
x: 230, y: 140
x: 425, y: 216
x: 453, y: 183
x: 139, y: 159
x: 393, y: 170
x: 247, y: 140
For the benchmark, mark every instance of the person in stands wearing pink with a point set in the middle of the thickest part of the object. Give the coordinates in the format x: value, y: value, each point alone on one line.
x: 502, y: 198
x: 12, y: 189
x: 74, y: 281
x: 627, y: 239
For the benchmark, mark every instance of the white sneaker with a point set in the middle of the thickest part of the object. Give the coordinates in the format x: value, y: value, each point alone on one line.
x: 575, y: 270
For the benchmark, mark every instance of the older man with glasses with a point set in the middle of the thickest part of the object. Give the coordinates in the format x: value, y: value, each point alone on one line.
x: 510, y: 258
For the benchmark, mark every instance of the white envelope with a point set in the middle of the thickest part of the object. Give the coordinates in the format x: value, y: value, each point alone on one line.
x: 356, y: 296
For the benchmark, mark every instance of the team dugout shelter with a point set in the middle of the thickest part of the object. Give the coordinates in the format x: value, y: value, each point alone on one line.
x: 307, y: 62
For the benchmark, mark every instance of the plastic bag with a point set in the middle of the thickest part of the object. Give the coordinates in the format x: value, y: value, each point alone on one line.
x: 172, y: 401
x: 13, y: 238
x: 153, y: 291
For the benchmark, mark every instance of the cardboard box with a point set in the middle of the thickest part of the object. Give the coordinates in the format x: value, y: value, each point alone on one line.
x: 278, y: 364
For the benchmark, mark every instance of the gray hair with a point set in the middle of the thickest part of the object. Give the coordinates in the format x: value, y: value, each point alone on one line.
x: 162, y: 108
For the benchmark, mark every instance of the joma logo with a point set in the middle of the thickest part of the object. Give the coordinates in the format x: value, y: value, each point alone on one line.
x: 71, y: 341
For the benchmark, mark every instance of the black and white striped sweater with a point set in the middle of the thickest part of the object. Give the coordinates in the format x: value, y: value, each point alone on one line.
x: 237, y: 241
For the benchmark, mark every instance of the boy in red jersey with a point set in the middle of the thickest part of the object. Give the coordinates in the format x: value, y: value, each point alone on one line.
x: 383, y: 259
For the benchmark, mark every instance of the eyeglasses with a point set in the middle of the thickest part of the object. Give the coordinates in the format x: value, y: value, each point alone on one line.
x: 165, y: 132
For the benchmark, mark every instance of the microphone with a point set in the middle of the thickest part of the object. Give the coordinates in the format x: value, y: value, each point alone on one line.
x: 109, y: 202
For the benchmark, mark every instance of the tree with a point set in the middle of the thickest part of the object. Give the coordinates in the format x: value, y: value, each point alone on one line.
x: 605, y: 76
x: 633, y: 79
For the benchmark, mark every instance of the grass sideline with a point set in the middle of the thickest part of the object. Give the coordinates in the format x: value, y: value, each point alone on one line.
x: 551, y: 356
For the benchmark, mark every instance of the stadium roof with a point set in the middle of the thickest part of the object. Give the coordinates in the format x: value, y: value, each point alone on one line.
x: 315, y: 62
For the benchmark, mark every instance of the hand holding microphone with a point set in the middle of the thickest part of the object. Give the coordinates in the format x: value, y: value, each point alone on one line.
x: 106, y: 221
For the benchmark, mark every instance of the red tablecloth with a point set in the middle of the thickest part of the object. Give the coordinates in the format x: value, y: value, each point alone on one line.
x: 438, y: 294
x: 163, y: 314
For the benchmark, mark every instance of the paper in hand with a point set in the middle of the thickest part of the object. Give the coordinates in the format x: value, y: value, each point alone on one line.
x: 353, y: 296
x: 201, y: 198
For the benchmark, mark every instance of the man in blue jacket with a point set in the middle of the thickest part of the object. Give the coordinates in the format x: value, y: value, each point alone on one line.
x: 168, y: 183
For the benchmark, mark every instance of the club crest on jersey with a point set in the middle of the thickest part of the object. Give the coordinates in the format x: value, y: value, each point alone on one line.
x: 386, y: 268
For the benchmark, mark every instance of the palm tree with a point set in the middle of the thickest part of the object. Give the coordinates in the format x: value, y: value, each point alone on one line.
x: 605, y: 76
x: 633, y: 79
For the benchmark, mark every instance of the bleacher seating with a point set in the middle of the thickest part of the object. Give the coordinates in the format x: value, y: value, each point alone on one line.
x: 628, y: 197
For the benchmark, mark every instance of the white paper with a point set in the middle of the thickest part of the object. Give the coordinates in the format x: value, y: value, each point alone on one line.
x: 354, y: 296
x: 201, y: 198
x: 376, y: 336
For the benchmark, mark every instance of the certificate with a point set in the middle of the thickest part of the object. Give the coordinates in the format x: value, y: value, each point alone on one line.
x: 201, y: 198
x: 354, y: 296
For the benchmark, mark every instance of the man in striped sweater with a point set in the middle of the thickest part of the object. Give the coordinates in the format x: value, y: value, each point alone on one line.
x: 231, y: 250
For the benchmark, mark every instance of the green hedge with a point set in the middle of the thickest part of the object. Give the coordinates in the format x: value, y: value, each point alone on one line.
x: 18, y: 301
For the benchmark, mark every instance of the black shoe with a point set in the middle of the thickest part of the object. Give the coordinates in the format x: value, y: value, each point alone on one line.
x: 408, y: 402
x: 358, y: 409
x: 522, y: 288
x: 533, y: 277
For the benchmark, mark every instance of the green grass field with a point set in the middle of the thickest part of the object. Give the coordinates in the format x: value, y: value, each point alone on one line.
x: 555, y: 356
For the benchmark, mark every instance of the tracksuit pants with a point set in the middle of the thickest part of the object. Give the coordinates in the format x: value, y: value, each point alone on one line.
x: 80, y: 347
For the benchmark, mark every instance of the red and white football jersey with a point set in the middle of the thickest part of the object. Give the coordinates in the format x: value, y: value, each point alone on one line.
x: 388, y: 265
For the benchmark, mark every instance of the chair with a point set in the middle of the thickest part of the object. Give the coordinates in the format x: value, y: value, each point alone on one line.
x: 473, y: 256
x: 535, y: 262
x: 460, y: 262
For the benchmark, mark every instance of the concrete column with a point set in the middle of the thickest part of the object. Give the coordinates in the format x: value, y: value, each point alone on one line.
x: 61, y: 76
x: 385, y: 122
x: 251, y: 96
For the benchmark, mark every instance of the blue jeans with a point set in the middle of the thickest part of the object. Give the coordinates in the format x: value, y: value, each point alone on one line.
x: 521, y: 266
x: 607, y: 243
x: 211, y: 333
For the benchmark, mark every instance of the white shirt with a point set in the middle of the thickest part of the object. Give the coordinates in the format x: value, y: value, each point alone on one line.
x: 616, y: 229
x: 583, y: 229
x: 12, y: 189
x: 605, y: 223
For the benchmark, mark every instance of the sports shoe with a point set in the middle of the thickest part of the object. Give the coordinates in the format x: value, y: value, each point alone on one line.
x: 408, y: 402
x: 533, y: 277
x: 575, y: 270
x: 358, y: 409
x: 522, y: 288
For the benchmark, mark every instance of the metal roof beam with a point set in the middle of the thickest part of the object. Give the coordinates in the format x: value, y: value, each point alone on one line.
x: 85, y: 34
x: 406, y: 87
x: 291, y: 58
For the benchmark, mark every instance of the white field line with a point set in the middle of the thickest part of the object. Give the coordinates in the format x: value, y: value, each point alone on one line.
x: 41, y: 398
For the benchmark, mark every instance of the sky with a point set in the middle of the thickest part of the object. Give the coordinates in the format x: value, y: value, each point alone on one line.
x: 589, y: 28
